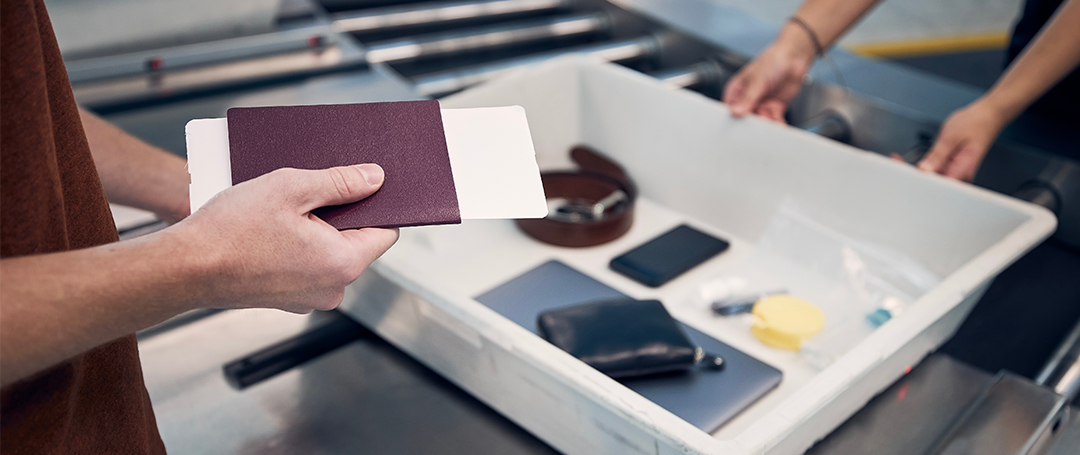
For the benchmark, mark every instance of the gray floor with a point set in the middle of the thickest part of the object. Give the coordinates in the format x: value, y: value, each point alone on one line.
x: 979, y: 69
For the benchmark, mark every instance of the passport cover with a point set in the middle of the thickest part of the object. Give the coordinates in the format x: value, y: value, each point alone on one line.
x: 406, y: 138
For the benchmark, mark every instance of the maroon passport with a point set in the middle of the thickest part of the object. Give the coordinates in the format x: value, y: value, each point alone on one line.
x: 405, y: 138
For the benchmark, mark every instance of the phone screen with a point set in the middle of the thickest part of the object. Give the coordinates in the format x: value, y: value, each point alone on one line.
x: 671, y: 254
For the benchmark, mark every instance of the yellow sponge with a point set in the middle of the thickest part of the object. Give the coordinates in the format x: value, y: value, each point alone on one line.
x: 784, y: 322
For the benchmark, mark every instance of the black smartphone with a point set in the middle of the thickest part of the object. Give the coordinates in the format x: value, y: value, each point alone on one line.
x: 662, y: 259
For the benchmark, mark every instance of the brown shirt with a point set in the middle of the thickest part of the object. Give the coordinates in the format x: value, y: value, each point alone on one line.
x: 51, y: 200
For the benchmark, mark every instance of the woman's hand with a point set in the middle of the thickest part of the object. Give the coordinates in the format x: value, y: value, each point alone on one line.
x: 767, y: 84
x: 963, y: 141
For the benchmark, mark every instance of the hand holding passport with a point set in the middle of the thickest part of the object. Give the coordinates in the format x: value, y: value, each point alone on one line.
x: 441, y: 165
x: 290, y: 162
x: 258, y: 246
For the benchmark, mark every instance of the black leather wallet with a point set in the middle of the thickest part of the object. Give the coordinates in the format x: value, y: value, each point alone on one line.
x: 624, y: 338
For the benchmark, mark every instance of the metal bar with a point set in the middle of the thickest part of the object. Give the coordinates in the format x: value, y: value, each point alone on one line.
x: 437, y: 13
x: 1062, y: 372
x: 281, y: 357
x: 171, y: 84
x: 176, y: 57
x: 699, y: 74
x: 486, y: 38
x: 442, y: 83
x: 681, y: 77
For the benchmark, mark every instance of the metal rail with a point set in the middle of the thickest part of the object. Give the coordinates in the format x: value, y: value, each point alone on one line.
x: 697, y: 75
x: 437, y: 13
x: 171, y: 84
x: 487, y: 38
x: 446, y: 82
x: 200, y: 54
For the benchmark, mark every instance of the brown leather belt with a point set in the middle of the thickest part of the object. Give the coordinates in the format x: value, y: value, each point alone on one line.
x: 589, y: 207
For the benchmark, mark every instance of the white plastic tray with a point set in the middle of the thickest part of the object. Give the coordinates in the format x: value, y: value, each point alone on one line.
x: 693, y: 164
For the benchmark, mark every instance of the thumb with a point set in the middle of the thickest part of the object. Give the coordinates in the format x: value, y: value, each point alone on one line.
x: 311, y: 189
x: 369, y: 243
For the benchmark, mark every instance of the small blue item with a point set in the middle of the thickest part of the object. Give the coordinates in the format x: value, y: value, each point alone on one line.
x: 879, y: 316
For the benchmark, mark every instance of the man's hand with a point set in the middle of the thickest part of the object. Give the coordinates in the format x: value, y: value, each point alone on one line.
x: 767, y: 84
x: 963, y: 141
x: 268, y: 250
x: 254, y: 245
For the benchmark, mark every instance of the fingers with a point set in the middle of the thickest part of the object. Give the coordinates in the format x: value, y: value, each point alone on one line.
x: 939, y: 155
x: 750, y: 97
x: 965, y: 163
x: 772, y: 109
x: 360, y: 248
x: 734, y: 94
x: 954, y: 159
x: 308, y: 190
x: 368, y: 244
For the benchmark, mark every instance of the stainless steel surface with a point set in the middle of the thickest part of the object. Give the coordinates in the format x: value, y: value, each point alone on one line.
x: 911, y: 415
x: 487, y: 38
x: 447, y: 82
x: 426, y: 14
x: 366, y: 397
x: 1014, y: 416
x: 1062, y: 372
x: 946, y: 407
x: 873, y: 126
x: 1068, y: 434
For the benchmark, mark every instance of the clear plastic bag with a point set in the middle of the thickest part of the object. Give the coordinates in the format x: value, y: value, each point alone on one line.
x: 858, y: 285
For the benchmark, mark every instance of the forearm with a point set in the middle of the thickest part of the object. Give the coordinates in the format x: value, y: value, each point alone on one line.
x: 135, y: 173
x: 56, y: 306
x: 1049, y: 58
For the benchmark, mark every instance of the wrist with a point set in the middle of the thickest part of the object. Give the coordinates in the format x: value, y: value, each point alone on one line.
x: 996, y: 113
x: 994, y: 106
x: 796, y: 43
x: 195, y: 272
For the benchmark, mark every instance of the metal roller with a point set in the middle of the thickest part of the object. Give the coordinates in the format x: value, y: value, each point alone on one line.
x: 437, y: 13
x: 487, y: 38
x: 697, y: 75
x: 442, y: 83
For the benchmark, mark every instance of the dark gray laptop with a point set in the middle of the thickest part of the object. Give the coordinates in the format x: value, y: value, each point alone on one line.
x: 704, y: 398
